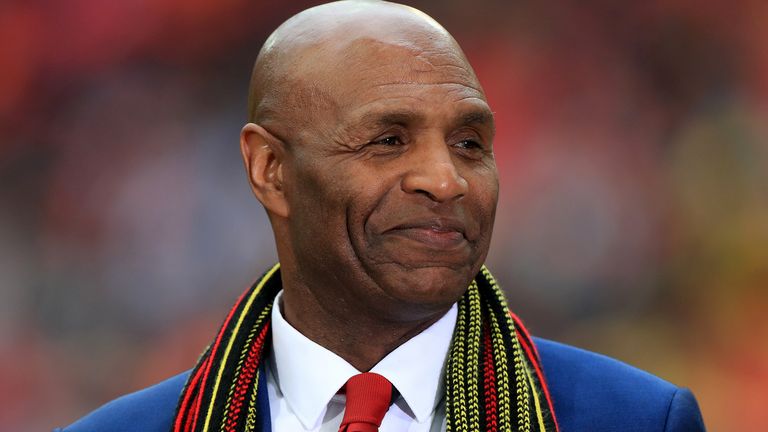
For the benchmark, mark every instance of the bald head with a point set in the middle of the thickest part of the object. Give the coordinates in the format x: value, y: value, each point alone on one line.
x: 312, y: 58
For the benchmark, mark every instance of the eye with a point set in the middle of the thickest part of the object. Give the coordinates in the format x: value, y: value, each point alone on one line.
x: 385, y: 146
x: 471, y: 148
x: 469, y: 145
x: 388, y: 141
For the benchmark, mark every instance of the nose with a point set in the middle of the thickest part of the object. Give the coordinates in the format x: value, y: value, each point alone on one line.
x: 433, y: 173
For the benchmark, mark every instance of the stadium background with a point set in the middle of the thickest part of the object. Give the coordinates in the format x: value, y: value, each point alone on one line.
x: 632, y: 145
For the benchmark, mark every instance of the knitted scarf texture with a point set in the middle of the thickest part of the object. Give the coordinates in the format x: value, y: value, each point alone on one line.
x: 493, y: 377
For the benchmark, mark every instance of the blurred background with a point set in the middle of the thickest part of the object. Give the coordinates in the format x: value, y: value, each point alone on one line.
x: 632, y: 145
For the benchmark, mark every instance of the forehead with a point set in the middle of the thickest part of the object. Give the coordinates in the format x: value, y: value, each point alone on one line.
x: 420, y: 59
x: 371, y: 74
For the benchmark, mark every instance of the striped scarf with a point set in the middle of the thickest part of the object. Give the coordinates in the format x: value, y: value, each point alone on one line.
x: 493, y: 380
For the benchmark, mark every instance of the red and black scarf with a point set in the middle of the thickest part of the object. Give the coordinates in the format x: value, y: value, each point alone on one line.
x: 493, y: 378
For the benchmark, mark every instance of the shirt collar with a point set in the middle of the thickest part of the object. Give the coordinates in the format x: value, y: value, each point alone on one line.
x: 309, y: 375
x: 420, y: 383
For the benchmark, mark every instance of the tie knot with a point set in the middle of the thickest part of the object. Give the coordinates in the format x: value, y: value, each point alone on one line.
x: 368, y: 398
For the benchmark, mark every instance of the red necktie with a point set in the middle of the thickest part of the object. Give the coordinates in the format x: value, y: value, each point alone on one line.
x: 368, y: 398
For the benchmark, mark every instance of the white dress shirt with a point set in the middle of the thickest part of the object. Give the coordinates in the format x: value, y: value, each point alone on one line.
x: 303, y: 379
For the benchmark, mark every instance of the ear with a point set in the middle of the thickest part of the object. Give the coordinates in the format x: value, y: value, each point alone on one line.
x: 264, y: 154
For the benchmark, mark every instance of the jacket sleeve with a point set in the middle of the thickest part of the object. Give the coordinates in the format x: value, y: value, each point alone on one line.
x: 684, y: 414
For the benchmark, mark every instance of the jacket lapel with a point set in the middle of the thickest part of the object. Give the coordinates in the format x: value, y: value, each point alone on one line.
x: 262, y: 401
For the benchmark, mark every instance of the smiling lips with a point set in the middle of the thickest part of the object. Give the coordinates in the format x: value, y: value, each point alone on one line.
x: 434, y: 233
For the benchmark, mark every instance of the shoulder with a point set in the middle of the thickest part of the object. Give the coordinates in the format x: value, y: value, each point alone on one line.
x: 147, y: 410
x: 593, y: 392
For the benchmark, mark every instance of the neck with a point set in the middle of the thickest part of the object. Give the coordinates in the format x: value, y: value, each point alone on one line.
x: 358, y: 336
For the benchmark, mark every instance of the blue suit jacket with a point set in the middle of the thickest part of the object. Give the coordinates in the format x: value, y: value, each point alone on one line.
x: 591, y: 393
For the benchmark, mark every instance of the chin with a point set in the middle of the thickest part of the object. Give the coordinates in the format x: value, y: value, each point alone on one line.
x: 429, y: 289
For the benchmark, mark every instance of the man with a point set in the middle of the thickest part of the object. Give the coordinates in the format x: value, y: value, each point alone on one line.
x: 370, y: 147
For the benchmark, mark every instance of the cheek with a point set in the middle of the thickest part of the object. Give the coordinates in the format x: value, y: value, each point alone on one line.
x: 315, y: 207
x: 364, y: 196
x: 484, y: 191
x: 333, y: 203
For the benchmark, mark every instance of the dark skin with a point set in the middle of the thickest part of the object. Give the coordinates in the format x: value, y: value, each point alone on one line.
x: 370, y: 146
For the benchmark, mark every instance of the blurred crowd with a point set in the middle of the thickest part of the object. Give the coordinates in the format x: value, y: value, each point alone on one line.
x: 632, y: 146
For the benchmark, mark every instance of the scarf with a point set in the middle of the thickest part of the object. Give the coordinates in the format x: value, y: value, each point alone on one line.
x: 493, y: 376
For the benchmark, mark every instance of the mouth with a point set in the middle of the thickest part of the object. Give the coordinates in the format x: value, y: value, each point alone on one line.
x: 437, y: 233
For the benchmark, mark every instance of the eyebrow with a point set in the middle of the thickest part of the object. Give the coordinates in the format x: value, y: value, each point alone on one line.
x: 387, y: 118
x: 476, y: 116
